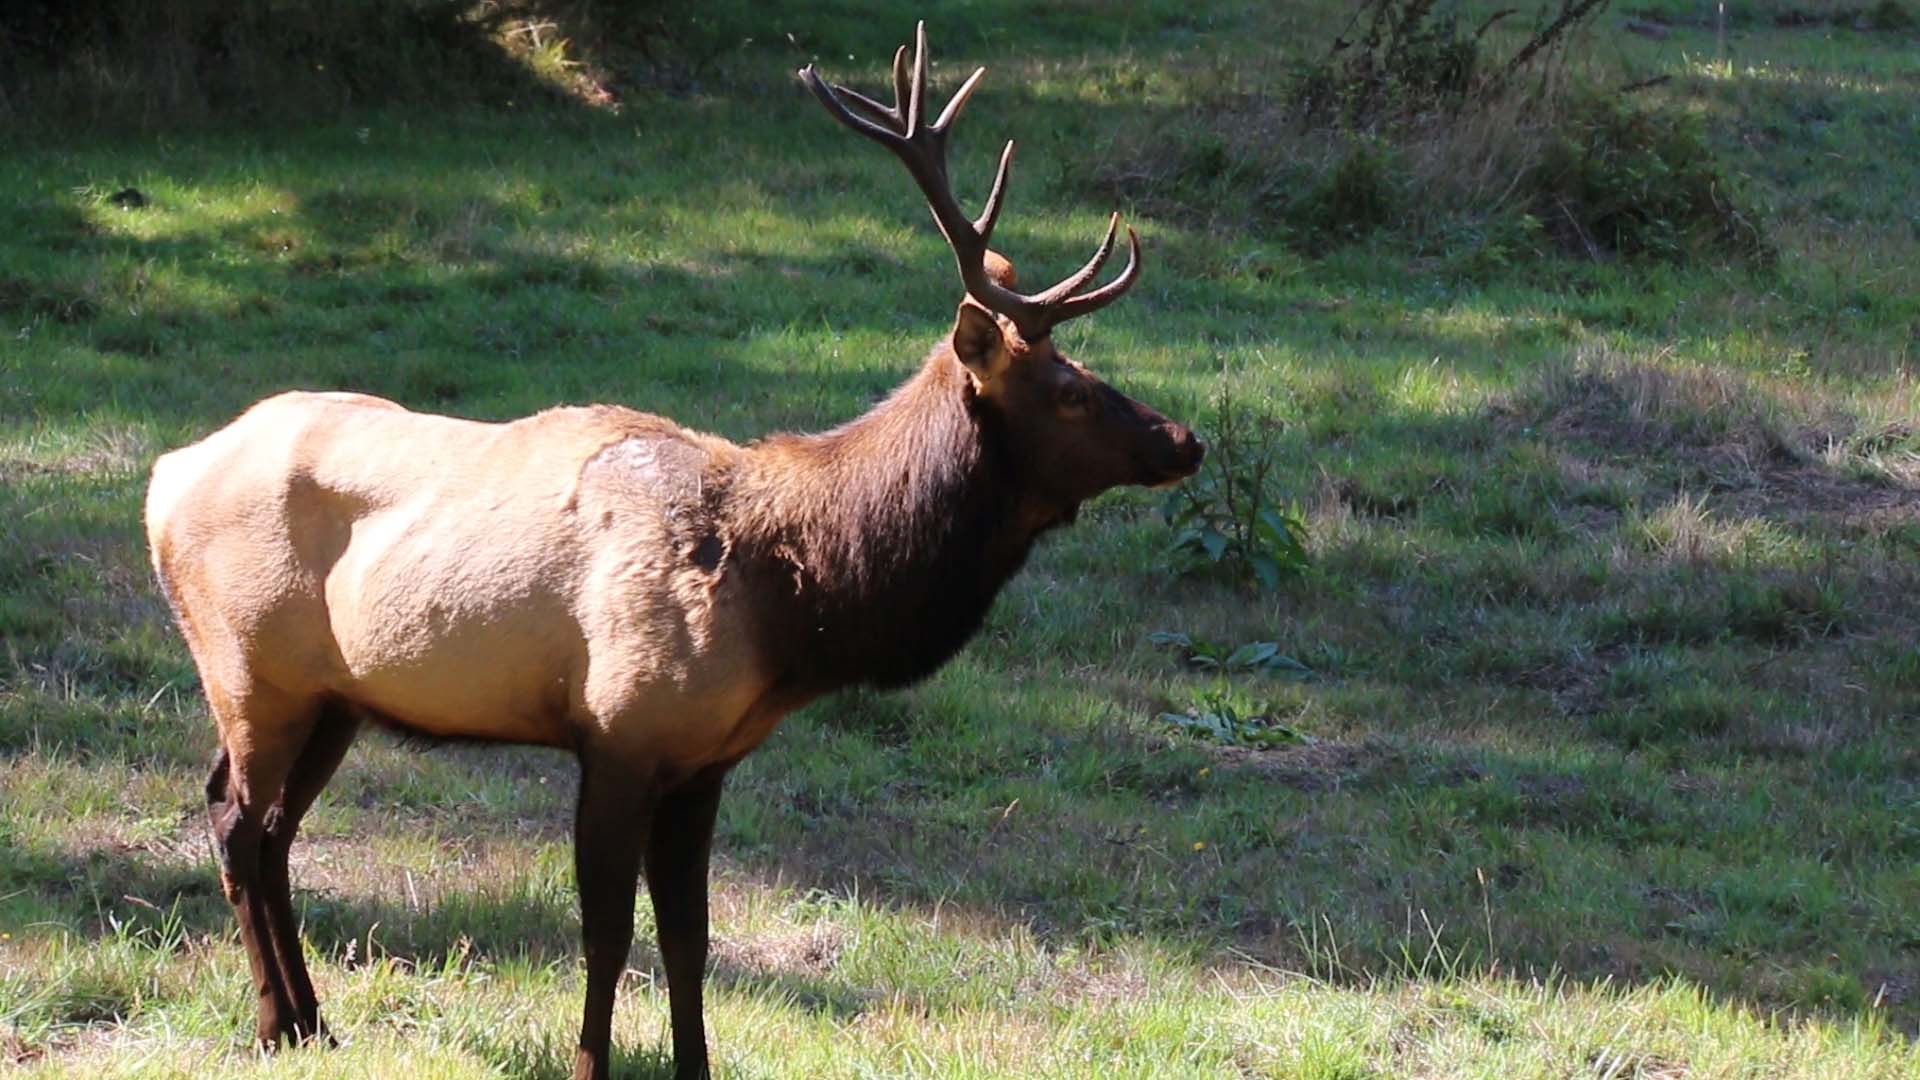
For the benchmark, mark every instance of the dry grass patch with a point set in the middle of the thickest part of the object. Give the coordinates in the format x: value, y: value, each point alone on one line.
x: 183, y: 845
x: 1685, y: 530
x: 106, y: 452
x: 809, y: 951
x: 1798, y: 446
x: 413, y: 872
x: 1631, y: 403
x: 1331, y: 519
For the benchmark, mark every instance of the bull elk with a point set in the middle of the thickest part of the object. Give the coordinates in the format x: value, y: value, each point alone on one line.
x: 606, y: 581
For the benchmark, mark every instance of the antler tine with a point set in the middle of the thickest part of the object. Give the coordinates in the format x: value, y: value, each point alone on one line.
x: 1088, y: 303
x: 919, y: 82
x: 867, y: 105
x: 902, y: 86
x: 1085, y: 273
x: 923, y: 151
x: 828, y: 96
x: 959, y: 99
x: 991, y: 213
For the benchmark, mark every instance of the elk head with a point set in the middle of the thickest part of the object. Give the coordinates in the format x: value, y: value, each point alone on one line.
x: 1073, y: 435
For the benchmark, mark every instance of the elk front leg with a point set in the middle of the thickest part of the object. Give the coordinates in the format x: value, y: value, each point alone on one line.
x: 609, y: 828
x: 677, y: 852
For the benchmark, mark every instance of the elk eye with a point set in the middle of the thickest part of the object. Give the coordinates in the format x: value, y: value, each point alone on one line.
x: 1073, y: 396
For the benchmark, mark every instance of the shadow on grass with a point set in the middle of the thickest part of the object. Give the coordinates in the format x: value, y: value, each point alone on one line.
x: 121, y: 66
x: 117, y: 66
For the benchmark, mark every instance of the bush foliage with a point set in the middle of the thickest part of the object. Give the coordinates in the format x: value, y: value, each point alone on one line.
x: 1616, y: 177
x: 1462, y: 141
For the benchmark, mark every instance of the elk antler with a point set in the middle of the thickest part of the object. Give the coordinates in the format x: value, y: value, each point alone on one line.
x: 922, y: 147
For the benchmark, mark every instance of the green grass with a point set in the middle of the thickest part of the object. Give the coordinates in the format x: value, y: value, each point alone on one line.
x: 1609, y: 771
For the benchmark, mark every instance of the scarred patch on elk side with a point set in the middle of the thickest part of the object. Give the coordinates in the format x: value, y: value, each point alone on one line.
x: 669, y: 467
x: 672, y: 474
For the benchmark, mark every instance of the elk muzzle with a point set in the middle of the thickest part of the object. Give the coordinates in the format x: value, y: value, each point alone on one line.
x: 1181, y: 457
x: 1165, y: 451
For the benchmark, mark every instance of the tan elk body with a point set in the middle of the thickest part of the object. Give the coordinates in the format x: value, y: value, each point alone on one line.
x: 498, y: 581
x: 605, y: 581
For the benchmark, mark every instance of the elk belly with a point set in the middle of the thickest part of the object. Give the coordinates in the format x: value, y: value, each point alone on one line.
x: 457, y: 625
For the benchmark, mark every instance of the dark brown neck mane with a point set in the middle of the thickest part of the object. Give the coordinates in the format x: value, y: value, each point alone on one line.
x: 887, y: 538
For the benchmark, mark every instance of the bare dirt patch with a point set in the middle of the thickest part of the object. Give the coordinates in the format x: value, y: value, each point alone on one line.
x: 1577, y: 685
x: 1806, y: 493
x: 1891, y: 986
x: 1323, y: 765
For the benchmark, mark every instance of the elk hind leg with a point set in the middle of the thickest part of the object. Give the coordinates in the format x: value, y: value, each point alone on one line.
x: 261, y: 733
x: 333, y: 732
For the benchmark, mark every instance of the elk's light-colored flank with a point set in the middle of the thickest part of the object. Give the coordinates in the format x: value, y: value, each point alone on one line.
x: 605, y: 580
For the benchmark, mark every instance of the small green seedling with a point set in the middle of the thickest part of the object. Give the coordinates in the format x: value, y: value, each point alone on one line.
x: 1261, y: 656
x: 1222, y: 714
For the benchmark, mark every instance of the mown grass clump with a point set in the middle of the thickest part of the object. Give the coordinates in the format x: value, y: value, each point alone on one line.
x: 1761, y: 612
x: 1688, y: 710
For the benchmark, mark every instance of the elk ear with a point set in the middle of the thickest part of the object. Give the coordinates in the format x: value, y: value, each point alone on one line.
x: 979, y: 342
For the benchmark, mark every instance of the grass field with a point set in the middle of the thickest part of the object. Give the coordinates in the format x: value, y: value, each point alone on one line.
x: 1608, y: 657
